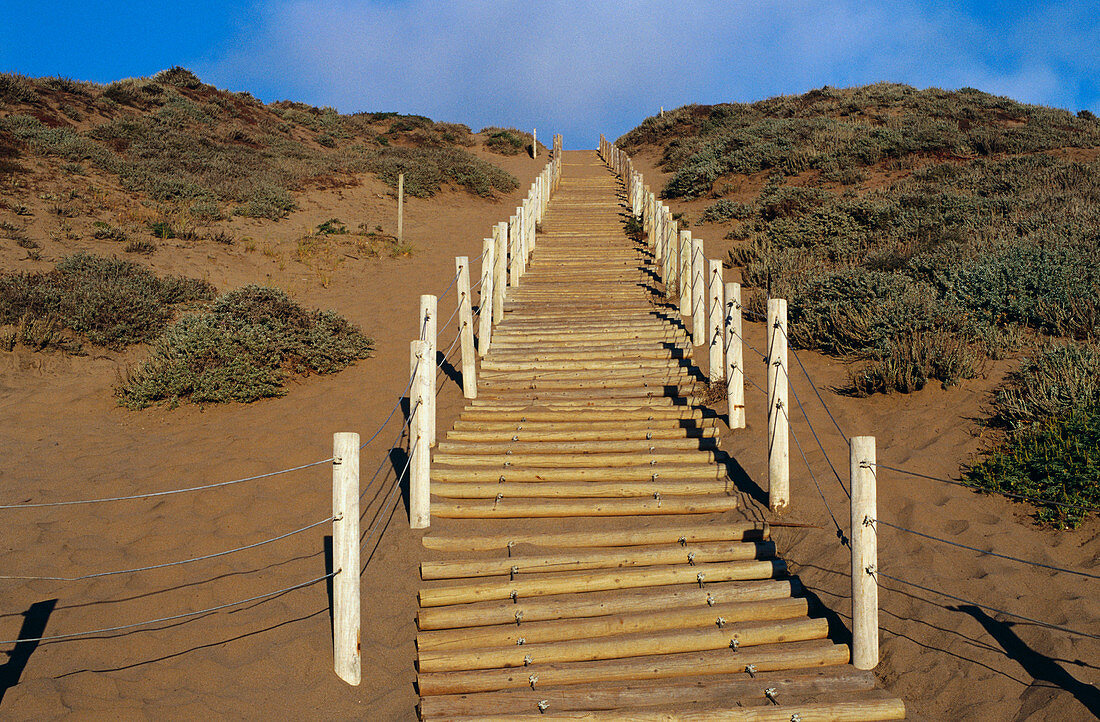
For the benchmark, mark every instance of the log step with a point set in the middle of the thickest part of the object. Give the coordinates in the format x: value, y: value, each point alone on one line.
x: 735, y: 531
x: 591, y: 581
x: 620, y: 695
x: 604, y: 558
x: 765, y: 658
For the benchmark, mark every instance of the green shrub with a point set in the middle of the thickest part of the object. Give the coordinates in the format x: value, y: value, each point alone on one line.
x: 506, y: 141
x: 179, y: 77
x: 725, y: 210
x: 140, y: 246
x: 1058, y: 459
x: 106, y: 232
x: 111, y: 302
x: 243, y: 349
x: 427, y: 169
x: 268, y: 202
x: 910, y: 360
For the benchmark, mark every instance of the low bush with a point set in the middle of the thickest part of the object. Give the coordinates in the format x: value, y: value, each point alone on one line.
x: 243, y: 349
x: 1057, y: 460
x: 725, y: 210
x: 110, y: 302
x: 427, y: 169
x: 1050, y: 411
x: 506, y: 141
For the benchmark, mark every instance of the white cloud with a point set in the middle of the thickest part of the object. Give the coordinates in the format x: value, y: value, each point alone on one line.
x: 580, y: 68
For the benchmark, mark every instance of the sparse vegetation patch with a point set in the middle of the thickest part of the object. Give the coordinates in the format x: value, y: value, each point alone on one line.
x: 244, y: 348
x: 109, y: 302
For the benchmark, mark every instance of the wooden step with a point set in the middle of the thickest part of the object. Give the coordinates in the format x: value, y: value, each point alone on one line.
x: 604, y: 558
x: 765, y: 658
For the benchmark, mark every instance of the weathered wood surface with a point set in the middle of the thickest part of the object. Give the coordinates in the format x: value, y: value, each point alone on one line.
x: 590, y: 556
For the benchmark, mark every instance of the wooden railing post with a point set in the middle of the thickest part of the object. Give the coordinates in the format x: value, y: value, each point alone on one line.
x: 500, y: 279
x: 685, y: 273
x: 717, y: 317
x: 520, y: 242
x: 864, y: 553
x: 779, y: 497
x: 346, y: 614
x: 672, y: 276
x: 735, y: 372
x: 466, y: 328
x: 485, y: 300
x: 419, y: 459
x: 698, y: 293
x: 400, y: 208
x: 429, y: 319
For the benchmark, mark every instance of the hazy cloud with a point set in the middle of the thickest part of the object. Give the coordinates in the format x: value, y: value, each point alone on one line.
x: 579, y: 68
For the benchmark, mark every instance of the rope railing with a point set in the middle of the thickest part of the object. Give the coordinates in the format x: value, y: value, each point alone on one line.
x: 985, y: 552
x: 876, y: 573
x: 180, y: 562
x: 172, y: 618
x: 681, y: 271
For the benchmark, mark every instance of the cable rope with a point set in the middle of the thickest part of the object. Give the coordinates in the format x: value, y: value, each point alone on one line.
x: 813, y: 385
x: 988, y: 553
x: 170, y: 492
x: 1025, y: 497
x: 174, y: 617
x: 169, y: 564
x: 1060, y: 628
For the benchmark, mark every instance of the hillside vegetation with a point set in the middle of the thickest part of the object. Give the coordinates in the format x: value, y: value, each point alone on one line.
x: 918, y: 232
x: 174, y: 139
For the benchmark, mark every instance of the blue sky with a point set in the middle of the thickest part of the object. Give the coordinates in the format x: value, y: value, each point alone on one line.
x: 570, y: 67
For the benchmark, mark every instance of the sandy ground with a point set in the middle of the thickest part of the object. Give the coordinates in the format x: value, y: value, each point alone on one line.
x: 64, y: 438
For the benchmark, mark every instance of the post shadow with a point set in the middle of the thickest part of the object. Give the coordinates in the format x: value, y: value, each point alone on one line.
x: 329, y: 583
x: 448, y: 369
x: 740, y: 478
x: 1039, y: 666
x: 34, y: 624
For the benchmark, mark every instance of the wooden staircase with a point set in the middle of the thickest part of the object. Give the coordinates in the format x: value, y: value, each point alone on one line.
x: 589, y: 556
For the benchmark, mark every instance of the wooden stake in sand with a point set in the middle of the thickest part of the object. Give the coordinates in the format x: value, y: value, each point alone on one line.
x: 500, y: 270
x: 685, y: 273
x: 698, y: 294
x: 485, y: 303
x: 779, y: 497
x: 419, y: 467
x: 534, y: 142
x: 519, y: 240
x: 735, y: 372
x: 717, y: 322
x: 400, y: 208
x: 466, y: 329
x: 429, y: 322
x: 346, y: 614
x: 864, y: 553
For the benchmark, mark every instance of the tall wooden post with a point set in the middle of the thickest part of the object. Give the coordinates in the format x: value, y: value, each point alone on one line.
x: 346, y: 614
x: 779, y: 495
x: 672, y: 275
x: 429, y: 318
x: 685, y: 273
x: 485, y: 302
x: 716, y: 321
x: 698, y: 293
x: 500, y: 279
x: 519, y: 246
x: 419, y: 462
x: 864, y: 552
x: 400, y: 208
x: 534, y: 142
x: 466, y: 329
x: 735, y: 371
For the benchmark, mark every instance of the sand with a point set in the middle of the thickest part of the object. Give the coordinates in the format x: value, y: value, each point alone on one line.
x: 63, y: 437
